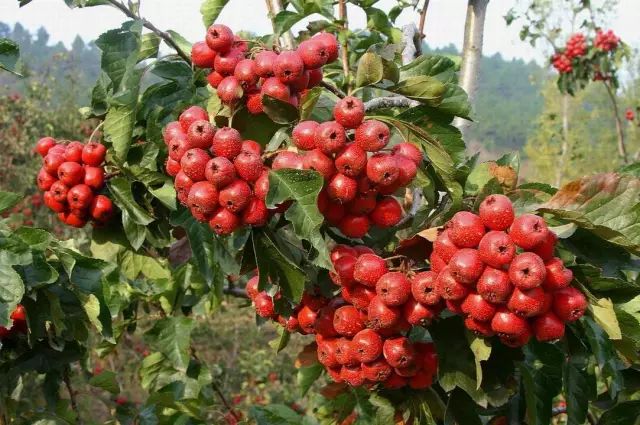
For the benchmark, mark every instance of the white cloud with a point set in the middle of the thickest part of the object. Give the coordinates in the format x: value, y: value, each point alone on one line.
x: 444, y: 25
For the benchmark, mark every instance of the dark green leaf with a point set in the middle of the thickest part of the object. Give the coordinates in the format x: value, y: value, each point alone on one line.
x: 284, y: 20
x: 542, y: 379
x: 37, y: 239
x: 106, y: 381
x: 605, y: 355
x: 9, y: 55
x: 172, y: 337
x: 11, y: 292
x: 461, y: 409
x: 302, y: 187
x: 280, y: 112
x: 275, y: 414
x: 307, y: 376
x: 120, y: 49
x: 123, y: 196
x: 625, y: 413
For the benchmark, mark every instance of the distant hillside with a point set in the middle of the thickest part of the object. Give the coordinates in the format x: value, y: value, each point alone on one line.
x: 508, y: 100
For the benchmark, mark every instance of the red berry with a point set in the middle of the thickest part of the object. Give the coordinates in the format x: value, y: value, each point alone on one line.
x: 52, y: 162
x: 342, y: 189
x: 256, y: 213
x: 341, y: 251
x: 236, y: 196
x: 219, y: 37
x: 547, y: 327
x: 496, y: 212
x: 190, y: 115
x: 399, y: 352
x: 352, y: 375
x: 478, y: 308
x: 264, y: 305
x: 330, y: 137
x: 261, y: 185
x: 80, y: 197
x: 395, y: 382
x: 494, y: 286
x: 516, y: 341
x: 224, y: 222
x: 249, y: 166
x: 317, y: 160
x: 359, y: 296
x: 324, y: 322
x: 288, y: 66
x: 569, y: 304
x: 307, y: 319
x: 73, y: 152
x: 202, y: 55
x: 93, y: 154
x: 466, y: 229
x: 245, y: 73
x: 194, y: 163
x: 444, y: 246
x: 367, y: 345
x: 327, y: 353
x: 44, y: 144
x: 329, y: 43
x: 349, y: 112
x: 52, y: 204
x: 407, y: 168
x: 546, y: 249
x: 383, y: 169
x: 466, y: 266
x: 351, y: 160
x: 275, y: 88
x: 408, y: 150
x: 252, y: 287
x: 508, y: 324
x: 71, y: 173
x: 230, y: 90
x: 393, y: 288
x: 347, y: 321
x: 287, y: 159
x: 527, y: 271
x: 557, y: 275
x: 227, y: 142
x: 528, y: 231
x: 59, y: 191
x: 101, y: 208
x: 354, y: 226
x: 423, y: 287
x: 214, y: 78
x: 45, y: 180
x: 377, y: 370
x: 75, y: 220
x: 381, y: 316
x: 313, y: 54
x: 372, y: 135
x: 417, y: 314
x: 220, y: 172
x: 345, y: 354
x: 344, y: 267
x: 315, y: 77
x: 264, y: 63
x: 528, y: 302
x: 303, y: 135
x: 496, y: 249
x: 94, y: 176
x: 183, y: 184
x: 478, y: 327
x: 203, y: 197
x: 369, y: 268
x: 449, y: 288
x: 178, y: 146
x: 200, y: 134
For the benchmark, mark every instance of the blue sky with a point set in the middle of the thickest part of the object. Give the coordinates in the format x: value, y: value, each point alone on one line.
x: 445, y: 21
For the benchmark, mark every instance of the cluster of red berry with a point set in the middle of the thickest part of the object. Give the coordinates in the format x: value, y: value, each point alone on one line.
x: 561, y: 63
x: 629, y: 114
x: 71, y: 177
x: 606, y: 40
x: 284, y: 75
x: 360, y: 333
x: 358, y: 187
x: 19, y: 323
x: 218, y: 176
x: 576, y: 46
x: 500, y: 271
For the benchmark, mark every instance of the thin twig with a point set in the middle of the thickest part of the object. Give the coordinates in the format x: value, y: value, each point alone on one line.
x: 423, y: 19
x: 162, y: 34
x: 622, y: 149
x: 342, y: 15
x: 333, y: 89
x: 390, y: 102
x: 215, y: 388
x: 72, y: 394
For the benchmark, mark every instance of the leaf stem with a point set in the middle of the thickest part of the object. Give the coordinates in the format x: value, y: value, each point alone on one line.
x: 162, y: 34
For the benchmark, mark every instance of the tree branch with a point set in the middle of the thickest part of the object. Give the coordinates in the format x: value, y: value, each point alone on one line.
x: 390, y: 102
x: 423, y: 19
x: 72, y: 394
x: 163, y: 35
x: 215, y: 387
x: 622, y: 149
x: 333, y: 89
x: 342, y: 15
x: 412, y: 43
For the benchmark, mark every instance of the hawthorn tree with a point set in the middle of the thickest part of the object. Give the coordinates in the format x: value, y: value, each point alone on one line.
x: 154, y: 262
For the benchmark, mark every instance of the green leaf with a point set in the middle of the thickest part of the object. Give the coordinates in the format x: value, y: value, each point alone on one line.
x: 457, y: 364
x: 280, y: 343
x: 479, y: 177
x: 306, y: 376
x: 172, y: 337
x: 106, y: 381
x: 166, y: 194
x: 542, y: 379
x: 280, y: 112
x: 37, y: 239
x: 149, y: 46
x: 121, y: 115
x: 423, y: 88
x: 273, y: 264
x: 579, y: 385
x: 455, y: 101
x: 370, y: 69
x: 439, y: 67
x: 274, y: 414
x: 605, y: 316
x: 39, y: 272
x: 481, y: 349
x: 8, y: 200
x: 120, y: 49
x: 210, y: 10
x: 605, y: 355
x: 284, y: 20
x: 11, y: 292
x: 136, y: 233
x: 302, y: 187
x: 120, y: 189
x: 625, y: 413
x: 461, y: 410
x: 308, y: 102
x: 183, y: 43
x: 605, y: 204
x: 9, y: 55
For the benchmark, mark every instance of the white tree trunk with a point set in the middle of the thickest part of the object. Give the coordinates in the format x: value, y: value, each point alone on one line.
x: 472, y: 51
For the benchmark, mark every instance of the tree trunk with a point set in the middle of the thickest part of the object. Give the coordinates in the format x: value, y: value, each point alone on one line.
x: 622, y: 149
x: 565, y: 139
x: 275, y: 7
x: 472, y: 51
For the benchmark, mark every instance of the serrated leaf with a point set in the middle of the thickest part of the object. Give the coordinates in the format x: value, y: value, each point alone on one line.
x: 281, y: 342
x: 120, y: 48
x: 37, y: 239
x: 121, y: 115
x: 423, y: 88
x: 302, y: 187
x: 120, y: 189
x: 284, y: 20
x: 274, y: 414
x: 136, y: 233
x: 280, y: 112
x: 9, y: 55
x: 370, y: 69
x: 172, y: 337
x: 106, y: 381
x: 306, y: 376
x: 605, y: 204
x: 210, y: 10
x: 11, y: 292
x: 183, y: 43
x: 439, y: 67
x: 542, y: 379
x: 579, y: 384
x: 8, y: 200
x: 149, y: 46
